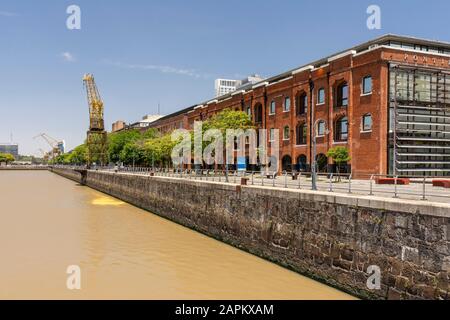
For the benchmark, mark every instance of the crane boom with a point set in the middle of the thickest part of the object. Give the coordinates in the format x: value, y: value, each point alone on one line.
x: 52, y: 142
x: 95, y: 104
x: 57, y: 147
x: 96, y: 135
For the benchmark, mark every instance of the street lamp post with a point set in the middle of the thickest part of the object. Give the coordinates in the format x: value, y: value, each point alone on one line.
x: 313, y: 138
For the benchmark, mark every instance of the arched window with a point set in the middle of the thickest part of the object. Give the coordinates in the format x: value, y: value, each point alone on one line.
x: 301, y: 102
x: 341, y: 129
x: 342, y: 95
x: 366, y: 124
x: 322, y: 162
x: 302, y: 163
x: 320, y: 130
x: 286, y: 133
x: 286, y: 163
x: 301, y: 134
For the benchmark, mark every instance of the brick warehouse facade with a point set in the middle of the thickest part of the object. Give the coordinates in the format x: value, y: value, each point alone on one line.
x: 387, y: 101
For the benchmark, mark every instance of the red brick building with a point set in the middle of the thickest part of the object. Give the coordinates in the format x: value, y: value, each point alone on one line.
x: 387, y: 101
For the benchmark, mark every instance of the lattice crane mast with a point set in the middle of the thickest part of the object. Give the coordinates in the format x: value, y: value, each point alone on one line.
x: 96, y: 135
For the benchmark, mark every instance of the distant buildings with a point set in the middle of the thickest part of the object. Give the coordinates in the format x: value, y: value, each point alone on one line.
x: 10, y: 148
x: 145, y: 122
x: 118, y: 125
x: 225, y: 86
x: 140, y: 125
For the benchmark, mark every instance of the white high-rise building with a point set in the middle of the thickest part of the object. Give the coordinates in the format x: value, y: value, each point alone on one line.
x: 224, y: 86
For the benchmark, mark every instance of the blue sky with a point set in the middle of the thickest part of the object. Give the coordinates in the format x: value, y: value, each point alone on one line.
x: 145, y: 51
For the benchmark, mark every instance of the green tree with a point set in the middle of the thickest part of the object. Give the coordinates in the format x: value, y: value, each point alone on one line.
x: 132, y: 153
x: 117, y: 142
x: 158, y: 151
x: 78, y: 155
x: 7, y: 158
x: 340, y: 156
x: 228, y: 119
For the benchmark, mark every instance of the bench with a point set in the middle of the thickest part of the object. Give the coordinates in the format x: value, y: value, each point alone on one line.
x: 400, y: 181
x: 441, y: 183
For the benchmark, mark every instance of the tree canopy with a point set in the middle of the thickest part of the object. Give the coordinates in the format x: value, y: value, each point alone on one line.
x: 6, y: 157
x: 150, y: 148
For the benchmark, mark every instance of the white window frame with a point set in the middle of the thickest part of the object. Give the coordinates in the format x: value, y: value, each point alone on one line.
x: 324, y: 97
x: 271, y: 136
x: 289, y: 133
x: 318, y: 135
x: 362, y: 123
x: 274, y: 108
x: 284, y: 104
x: 362, y: 86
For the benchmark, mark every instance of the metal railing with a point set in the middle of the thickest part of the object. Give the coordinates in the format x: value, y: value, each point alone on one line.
x: 344, y: 183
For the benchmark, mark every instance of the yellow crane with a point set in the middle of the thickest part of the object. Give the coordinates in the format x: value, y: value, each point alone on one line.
x: 57, y: 147
x: 96, y: 135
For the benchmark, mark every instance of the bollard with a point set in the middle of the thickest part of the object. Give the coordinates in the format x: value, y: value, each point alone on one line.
x: 244, y: 181
x: 395, y: 187
x: 424, y: 198
x: 253, y: 178
x: 285, y: 179
x: 371, y: 187
x: 331, y: 183
x: 299, y: 179
x: 350, y: 184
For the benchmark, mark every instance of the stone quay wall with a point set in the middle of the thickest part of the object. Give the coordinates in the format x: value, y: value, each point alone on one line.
x: 328, y: 237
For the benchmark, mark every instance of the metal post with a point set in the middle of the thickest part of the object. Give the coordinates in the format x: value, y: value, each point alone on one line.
x: 285, y: 179
x: 395, y: 187
x: 350, y: 184
x: 299, y: 179
x: 331, y: 183
x: 371, y: 187
x: 424, y: 189
x: 394, y: 165
x: 313, y: 138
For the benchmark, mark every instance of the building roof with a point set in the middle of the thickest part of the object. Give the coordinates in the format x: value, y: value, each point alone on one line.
x: 315, y: 64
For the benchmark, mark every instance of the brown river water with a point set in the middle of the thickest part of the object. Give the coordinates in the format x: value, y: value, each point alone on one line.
x: 48, y: 223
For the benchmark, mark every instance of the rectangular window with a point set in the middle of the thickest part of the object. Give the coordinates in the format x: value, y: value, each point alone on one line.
x: 287, y: 104
x: 321, y: 128
x: 321, y: 96
x: 286, y: 133
x: 249, y: 112
x: 367, y: 122
x: 272, y: 134
x: 422, y: 87
x: 367, y: 85
x: 272, y: 107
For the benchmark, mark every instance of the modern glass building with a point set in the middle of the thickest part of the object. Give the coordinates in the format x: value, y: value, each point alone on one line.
x: 10, y: 148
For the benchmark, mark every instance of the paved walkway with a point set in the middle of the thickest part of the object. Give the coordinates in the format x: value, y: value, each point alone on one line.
x: 417, y: 190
